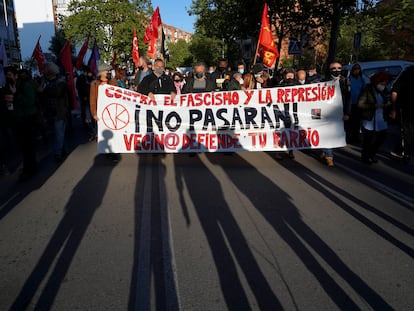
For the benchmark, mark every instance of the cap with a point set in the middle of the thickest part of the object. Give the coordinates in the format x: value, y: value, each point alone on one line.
x: 104, y: 67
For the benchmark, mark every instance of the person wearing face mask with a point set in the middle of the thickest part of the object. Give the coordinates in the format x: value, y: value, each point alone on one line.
x: 142, y: 71
x: 373, y: 102
x: 198, y: 83
x: 289, y: 78
x: 313, y: 75
x: 218, y: 77
x: 157, y: 82
x: 335, y: 74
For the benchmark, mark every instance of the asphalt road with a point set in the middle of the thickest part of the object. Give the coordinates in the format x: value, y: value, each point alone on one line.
x: 210, y: 232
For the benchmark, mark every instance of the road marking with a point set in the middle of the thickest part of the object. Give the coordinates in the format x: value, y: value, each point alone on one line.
x: 378, y: 185
x: 172, y: 297
x: 9, y: 200
x: 143, y: 290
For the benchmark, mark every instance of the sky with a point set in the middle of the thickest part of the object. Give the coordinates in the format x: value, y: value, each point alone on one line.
x: 174, y: 13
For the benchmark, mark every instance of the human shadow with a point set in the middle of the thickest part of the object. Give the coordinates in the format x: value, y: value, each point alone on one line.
x: 64, y: 243
x: 224, y: 236
x: 153, y: 267
x: 314, y: 180
x: 14, y: 192
x: 284, y: 217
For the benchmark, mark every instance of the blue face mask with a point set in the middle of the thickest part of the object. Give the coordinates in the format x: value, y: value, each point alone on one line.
x: 240, y: 70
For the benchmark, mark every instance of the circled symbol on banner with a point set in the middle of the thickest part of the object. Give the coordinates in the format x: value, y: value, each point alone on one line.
x: 115, y: 116
x: 171, y: 141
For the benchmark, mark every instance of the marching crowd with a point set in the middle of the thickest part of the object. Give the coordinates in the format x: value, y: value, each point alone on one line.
x: 32, y: 108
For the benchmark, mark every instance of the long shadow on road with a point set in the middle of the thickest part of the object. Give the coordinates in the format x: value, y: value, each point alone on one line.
x: 284, y: 217
x: 224, y: 236
x: 62, y: 247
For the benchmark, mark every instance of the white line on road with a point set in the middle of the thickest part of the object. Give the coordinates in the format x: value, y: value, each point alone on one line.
x: 143, y: 290
x: 378, y: 185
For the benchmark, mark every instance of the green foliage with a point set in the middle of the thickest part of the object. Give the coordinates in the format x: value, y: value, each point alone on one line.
x: 206, y: 49
x: 398, y: 26
x: 180, y: 55
x: 57, y: 42
x: 110, y: 22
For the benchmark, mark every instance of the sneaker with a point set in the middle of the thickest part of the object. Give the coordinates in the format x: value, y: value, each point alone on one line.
x: 329, y: 161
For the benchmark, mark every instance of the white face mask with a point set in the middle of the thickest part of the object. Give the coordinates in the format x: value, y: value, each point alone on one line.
x: 380, y: 87
x: 241, y: 81
x: 240, y: 70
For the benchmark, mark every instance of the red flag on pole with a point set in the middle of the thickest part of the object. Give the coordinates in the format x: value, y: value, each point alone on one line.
x: 82, y: 52
x: 151, y: 49
x: 267, y: 50
x: 151, y: 31
x: 38, y: 55
x: 135, y: 49
x: 65, y: 57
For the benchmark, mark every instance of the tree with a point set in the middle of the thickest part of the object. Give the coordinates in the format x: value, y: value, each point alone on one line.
x: 209, y: 55
x: 180, y: 55
x: 398, y: 26
x: 110, y: 23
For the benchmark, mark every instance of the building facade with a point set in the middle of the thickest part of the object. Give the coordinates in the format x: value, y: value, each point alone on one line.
x: 8, y: 31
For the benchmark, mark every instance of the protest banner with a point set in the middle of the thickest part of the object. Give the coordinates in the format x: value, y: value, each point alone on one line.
x: 274, y: 119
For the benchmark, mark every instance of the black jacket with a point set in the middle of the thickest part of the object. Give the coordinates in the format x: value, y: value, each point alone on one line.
x: 156, y: 85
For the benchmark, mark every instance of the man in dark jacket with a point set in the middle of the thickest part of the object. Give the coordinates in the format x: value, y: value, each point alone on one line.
x: 198, y: 83
x: 25, y: 116
x: 157, y: 82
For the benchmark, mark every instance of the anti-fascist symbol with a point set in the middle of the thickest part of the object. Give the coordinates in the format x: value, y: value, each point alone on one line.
x: 115, y: 116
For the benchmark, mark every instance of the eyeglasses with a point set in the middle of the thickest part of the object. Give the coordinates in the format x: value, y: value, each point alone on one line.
x: 335, y: 68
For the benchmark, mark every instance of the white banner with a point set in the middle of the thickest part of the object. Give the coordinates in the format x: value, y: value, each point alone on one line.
x: 275, y: 119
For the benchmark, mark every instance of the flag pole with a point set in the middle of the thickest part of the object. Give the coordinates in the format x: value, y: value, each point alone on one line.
x: 257, y: 51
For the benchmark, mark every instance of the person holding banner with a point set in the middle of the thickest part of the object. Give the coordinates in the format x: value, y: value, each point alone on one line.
x: 335, y: 70
x: 157, y: 82
x: 198, y: 83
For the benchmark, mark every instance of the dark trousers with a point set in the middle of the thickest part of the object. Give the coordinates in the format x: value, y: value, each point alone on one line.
x: 371, y: 141
x: 353, y: 125
x: 26, y: 139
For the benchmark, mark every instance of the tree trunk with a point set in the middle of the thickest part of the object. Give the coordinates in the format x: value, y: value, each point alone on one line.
x: 336, y: 15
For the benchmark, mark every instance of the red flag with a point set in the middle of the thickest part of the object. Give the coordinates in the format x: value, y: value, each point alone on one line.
x: 82, y: 52
x: 39, y: 56
x: 151, y: 49
x: 267, y: 48
x: 135, y: 50
x: 151, y: 31
x: 65, y: 57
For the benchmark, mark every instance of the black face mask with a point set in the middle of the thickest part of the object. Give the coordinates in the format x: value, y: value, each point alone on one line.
x: 290, y: 81
x: 140, y: 68
x: 9, y: 81
x: 335, y: 74
x: 222, y: 69
x: 199, y: 75
x: 109, y: 76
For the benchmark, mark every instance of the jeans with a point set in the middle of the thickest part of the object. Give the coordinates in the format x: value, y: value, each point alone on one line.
x: 328, y: 152
x: 58, y: 131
